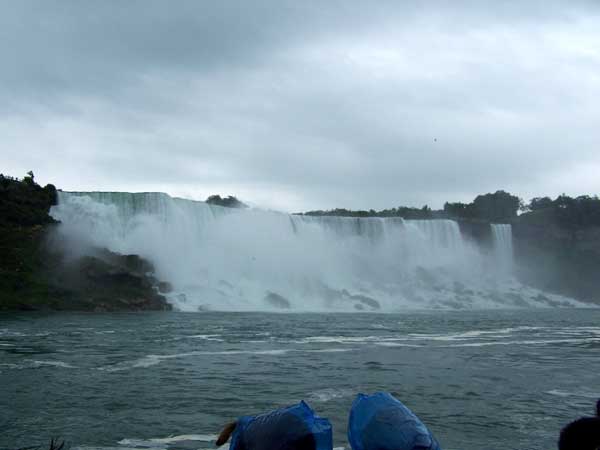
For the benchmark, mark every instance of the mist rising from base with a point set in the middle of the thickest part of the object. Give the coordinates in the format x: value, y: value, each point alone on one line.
x: 244, y: 260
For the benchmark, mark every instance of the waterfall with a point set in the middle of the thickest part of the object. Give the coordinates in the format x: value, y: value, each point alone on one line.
x: 235, y: 259
x: 503, y: 246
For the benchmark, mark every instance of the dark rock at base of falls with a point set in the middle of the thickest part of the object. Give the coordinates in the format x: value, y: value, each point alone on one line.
x: 112, y: 282
x: 277, y: 301
x: 364, y: 300
x: 164, y: 287
x: 102, y: 282
x: 335, y: 297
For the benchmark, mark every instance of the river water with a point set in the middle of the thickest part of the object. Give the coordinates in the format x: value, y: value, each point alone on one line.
x: 501, y: 379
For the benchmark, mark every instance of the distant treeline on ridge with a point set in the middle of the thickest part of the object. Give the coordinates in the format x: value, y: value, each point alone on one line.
x: 499, y: 207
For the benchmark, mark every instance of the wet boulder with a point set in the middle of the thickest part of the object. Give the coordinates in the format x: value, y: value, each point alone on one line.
x: 277, y: 301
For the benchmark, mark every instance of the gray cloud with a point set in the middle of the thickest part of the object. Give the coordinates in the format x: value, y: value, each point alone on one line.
x: 298, y: 105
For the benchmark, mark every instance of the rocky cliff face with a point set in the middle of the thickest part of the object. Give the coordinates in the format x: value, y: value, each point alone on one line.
x: 549, y: 255
x: 37, y: 276
x: 558, y: 259
x: 107, y: 281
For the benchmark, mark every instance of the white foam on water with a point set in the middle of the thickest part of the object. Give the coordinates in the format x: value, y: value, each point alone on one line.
x: 325, y: 395
x: 566, y: 394
x: 11, y: 365
x: 10, y: 333
x: 335, y: 339
x: 397, y: 344
x: 528, y: 342
x: 160, y: 442
x: 378, y: 326
x: 36, y: 364
x: 457, y: 336
x: 519, y: 328
x: 352, y: 340
x: 157, y: 443
x: 145, y: 362
x: 328, y: 350
x: 405, y: 339
x: 152, y: 360
x: 95, y: 447
x: 207, y: 337
x: 123, y: 447
x: 500, y: 333
x: 64, y: 365
x: 472, y: 338
x: 265, y: 352
x: 579, y: 331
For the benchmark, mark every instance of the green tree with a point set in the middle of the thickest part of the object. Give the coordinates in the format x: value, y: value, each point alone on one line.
x: 29, y: 178
x: 497, y: 207
x: 538, y: 203
x: 227, y: 202
x: 458, y: 210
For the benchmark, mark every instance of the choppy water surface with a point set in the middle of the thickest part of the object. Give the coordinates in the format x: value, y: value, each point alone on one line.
x: 493, y: 380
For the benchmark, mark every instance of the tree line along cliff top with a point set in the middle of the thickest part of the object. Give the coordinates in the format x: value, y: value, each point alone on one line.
x: 556, y: 247
x: 498, y: 207
x: 23, y: 202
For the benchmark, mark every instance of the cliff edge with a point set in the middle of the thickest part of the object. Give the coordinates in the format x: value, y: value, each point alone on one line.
x: 35, y: 275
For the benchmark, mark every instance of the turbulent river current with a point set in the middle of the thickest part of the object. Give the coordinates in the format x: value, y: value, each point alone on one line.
x: 254, y: 260
x: 495, y: 380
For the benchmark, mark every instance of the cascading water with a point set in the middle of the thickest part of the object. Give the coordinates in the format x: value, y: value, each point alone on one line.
x: 503, y: 246
x: 233, y: 259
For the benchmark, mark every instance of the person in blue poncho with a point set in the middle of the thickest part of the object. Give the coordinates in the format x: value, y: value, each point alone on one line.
x: 292, y: 428
x: 382, y: 422
x: 376, y: 422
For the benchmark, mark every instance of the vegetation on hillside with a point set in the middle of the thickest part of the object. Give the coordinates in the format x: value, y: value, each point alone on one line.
x: 227, y: 202
x: 35, y: 275
x: 402, y: 211
x: 24, y: 202
x: 568, y: 212
x: 497, y: 207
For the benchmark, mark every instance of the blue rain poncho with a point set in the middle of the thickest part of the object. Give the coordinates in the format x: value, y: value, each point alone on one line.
x: 293, y: 428
x: 381, y: 422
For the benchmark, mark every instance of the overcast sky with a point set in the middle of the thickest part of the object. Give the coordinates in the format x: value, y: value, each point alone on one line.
x: 300, y: 105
